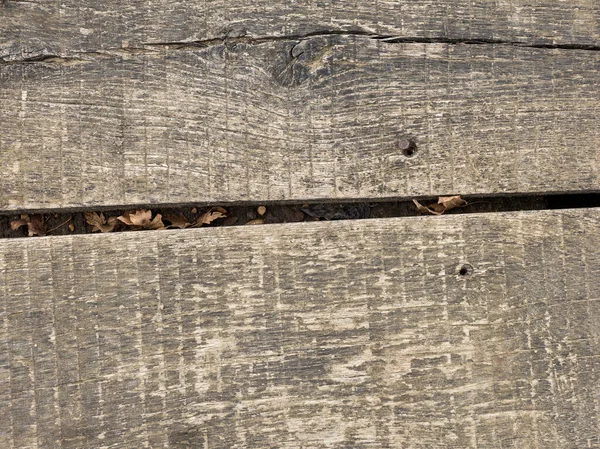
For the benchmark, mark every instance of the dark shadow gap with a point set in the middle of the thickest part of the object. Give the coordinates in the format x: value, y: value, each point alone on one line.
x: 63, y: 222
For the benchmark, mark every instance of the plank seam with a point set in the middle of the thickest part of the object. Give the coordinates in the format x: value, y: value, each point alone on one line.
x: 289, y: 213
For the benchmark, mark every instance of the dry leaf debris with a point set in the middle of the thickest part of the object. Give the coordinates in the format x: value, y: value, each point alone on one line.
x: 100, y: 223
x: 133, y: 220
x: 212, y: 214
x: 177, y: 221
x: 444, y: 204
x: 142, y: 219
x: 35, y: 224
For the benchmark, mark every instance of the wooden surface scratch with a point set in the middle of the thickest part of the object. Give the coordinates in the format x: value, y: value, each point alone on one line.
x: 315, y: 335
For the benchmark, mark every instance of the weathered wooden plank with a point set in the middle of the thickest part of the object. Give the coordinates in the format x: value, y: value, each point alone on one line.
x: 35, y: 28
x: 298, y: 120
x: 337, y: 334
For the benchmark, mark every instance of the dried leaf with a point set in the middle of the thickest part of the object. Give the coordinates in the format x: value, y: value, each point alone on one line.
x: 125, y: 218
x: 156, y: 223
x: 99, y: 222
x: 177, y: 221
x: 36, y: 226
x: 257, y: 221
x: 444, y: 204
x: 142, y: 219
x: 230, y: 221
x: 450, y: 202
x: 71, y: 227
x: 16, y: 224
x: 423, y: 209
x: 211, y: 215
x: 261, y: 210
x: 437, y: 208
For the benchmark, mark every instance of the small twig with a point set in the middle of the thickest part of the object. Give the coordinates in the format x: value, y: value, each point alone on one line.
x: 60, y: 225
x: 476, y: 202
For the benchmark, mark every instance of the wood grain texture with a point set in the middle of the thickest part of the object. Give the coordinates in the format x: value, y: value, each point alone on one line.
x: 314, y: 335
x: 297, y: 120
x: 35, y: 28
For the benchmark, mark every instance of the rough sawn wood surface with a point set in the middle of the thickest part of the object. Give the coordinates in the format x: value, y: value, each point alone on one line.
x: 315, y: 335
x: 315, y: 118
x: 35, y: 28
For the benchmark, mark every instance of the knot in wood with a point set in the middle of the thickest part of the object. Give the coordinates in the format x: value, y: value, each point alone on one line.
x: 303, y: 60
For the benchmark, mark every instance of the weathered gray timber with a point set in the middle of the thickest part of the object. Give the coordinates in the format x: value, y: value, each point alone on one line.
x: 31, y: 29
x: 315, y: 335
x: 296, y: 120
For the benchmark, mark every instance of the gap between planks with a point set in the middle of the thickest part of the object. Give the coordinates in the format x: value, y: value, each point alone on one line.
x: 63, y: 222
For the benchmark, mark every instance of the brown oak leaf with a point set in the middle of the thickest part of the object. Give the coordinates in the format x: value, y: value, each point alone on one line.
x: 177, y: 221
x: 100, y: 223
x: 444, y: 204
x: 142, y: 219
x: 210, y: 215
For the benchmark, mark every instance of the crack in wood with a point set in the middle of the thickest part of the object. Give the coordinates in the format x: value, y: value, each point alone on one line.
x: 46, y: 58
x: 389, y: 39
x: 231, y: 40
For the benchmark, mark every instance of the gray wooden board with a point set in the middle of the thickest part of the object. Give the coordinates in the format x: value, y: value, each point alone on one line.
x: 297, y: 120
x: 311, y: 335
x: 37, y: 27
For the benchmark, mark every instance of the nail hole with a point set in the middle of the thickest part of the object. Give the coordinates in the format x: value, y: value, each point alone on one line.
x: 466, y: 270
x: 407, y: 147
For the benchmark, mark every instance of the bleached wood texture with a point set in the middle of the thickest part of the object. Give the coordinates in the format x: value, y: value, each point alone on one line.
x: 314, y: 335
x: 36, y: 27
x: 297, y: 119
